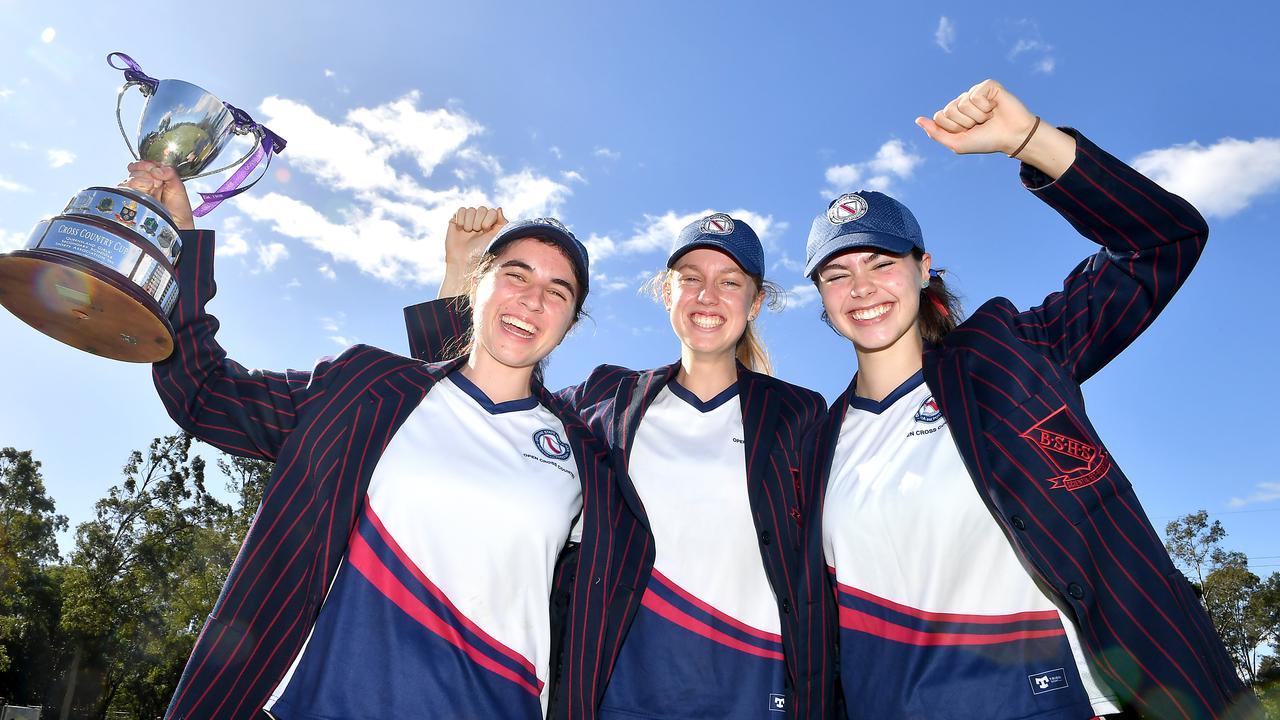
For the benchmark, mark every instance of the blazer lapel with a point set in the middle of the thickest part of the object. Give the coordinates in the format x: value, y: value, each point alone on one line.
x: 759, y: 417
x: 634, y: 396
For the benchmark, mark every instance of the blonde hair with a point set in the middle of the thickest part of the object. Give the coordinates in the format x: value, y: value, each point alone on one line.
x: 750, y: 349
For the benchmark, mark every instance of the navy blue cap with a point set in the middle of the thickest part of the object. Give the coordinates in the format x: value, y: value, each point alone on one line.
x: 863, y: 219
x: 719, y: 231
x: 550, y: 229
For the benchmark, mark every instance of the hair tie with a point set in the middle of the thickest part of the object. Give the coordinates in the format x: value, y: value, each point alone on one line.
x: 937, y: 302
x: 1034, y: 125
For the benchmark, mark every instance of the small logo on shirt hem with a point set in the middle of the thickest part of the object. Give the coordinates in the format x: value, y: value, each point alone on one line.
x: 777, y: 702
x: 1048, y: 681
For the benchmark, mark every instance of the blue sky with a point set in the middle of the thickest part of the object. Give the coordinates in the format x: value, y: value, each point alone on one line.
x: 628, y: 120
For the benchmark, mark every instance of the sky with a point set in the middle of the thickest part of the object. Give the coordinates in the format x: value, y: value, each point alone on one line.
x: 628, y: 120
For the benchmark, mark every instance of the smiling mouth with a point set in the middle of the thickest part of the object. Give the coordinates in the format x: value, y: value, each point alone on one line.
x: 870, y: 313
x: 707, y: 322
x: 518, y: 327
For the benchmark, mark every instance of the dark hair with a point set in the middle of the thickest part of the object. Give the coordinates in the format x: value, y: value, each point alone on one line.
x: 482, y: 264
x: 940, y: 309
x: 750, y: 349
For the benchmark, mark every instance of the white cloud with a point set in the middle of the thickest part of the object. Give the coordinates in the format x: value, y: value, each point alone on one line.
x: 327, y: 272
x: 47, y: 35
x: 293, y: 283
x: 892, y: 162
x: 607, y: 154
x: 527, y: 194
x: 658, y: 231
x: 270, y: 254
x: 573, y: 176
x: 803, y: 295
x: 428, y: 136
x: 945, y: 35
x: 5, y: 93
x: 329, y: 73
x: 387, y: 220
x: 555, y: 150
x: 11, y: 240
x: 1032, y: 46
x: 1265, y: 492
x: 1221, y: 179
x: 11, y: 186
x: 58, y: 158
x: 231, y: 240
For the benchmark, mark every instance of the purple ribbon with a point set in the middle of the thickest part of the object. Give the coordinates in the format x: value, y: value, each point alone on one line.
x: 133, y: 71
x: 271, y: 144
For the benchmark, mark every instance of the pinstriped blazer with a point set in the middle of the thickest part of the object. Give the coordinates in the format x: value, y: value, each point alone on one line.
x: 616, y: 555
x: 1008, y: 384
x: 325, y: 430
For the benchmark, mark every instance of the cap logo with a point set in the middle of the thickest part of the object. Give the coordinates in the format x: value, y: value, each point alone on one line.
x: 718, y: 224
x: 550, y: 221
x: 847, y: 208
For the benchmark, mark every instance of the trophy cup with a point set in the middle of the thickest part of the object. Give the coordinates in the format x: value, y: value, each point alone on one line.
x: 101, y: 276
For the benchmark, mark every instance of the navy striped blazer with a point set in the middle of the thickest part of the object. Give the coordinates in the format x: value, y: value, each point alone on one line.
x: 325, y: 431
x: 620, y: 551
x: 1008, y: 383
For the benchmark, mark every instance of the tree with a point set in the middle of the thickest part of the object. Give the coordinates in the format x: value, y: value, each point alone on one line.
x: 1244, y: 609
x: 128, y: 607
x: 29, y: 592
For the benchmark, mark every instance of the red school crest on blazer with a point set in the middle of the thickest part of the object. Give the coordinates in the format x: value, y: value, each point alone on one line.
x: 1060, y: 439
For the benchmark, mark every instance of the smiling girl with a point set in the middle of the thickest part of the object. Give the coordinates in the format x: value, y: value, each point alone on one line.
x: 402, y: 563
x: 695, y: 614
x: 990, y: 560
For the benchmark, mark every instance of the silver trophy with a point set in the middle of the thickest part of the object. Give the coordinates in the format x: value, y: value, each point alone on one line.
x: 101, y: 276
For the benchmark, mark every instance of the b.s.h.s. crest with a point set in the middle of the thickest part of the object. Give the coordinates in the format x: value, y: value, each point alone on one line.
x: 717, y: 224
x: 1064, y: 443
x: 847, y: 208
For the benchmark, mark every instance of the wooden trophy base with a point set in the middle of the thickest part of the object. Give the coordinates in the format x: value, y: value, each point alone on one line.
x: 84, y: 305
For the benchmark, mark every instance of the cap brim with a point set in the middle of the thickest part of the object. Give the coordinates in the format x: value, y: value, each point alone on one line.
x: 712, y: 244
x: 547, y: 232
x: 858, y: 241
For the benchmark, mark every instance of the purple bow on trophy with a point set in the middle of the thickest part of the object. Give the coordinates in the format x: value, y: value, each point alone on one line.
x: 101, y: 276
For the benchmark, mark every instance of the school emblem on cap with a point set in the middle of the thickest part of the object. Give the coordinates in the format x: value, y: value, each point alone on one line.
x: 549, y: 443
x: 552, y: 222
x: 846, y: 208
x: 718, y: 224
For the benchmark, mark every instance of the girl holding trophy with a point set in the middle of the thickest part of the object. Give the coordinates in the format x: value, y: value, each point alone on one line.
x: 408, y: 541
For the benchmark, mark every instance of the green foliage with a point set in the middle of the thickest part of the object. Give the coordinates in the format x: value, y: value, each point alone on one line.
x: 1244, y: 609
x: 28, y: 547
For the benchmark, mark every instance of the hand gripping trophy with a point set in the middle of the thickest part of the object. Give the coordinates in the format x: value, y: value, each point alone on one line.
x: 101, y: 275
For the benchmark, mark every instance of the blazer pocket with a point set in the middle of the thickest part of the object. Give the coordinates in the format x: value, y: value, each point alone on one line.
x: 1045, y: 456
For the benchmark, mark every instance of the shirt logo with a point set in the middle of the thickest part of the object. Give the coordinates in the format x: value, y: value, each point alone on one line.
x: 1048, y: 681
x: 847, y: 208
x: 777, y: 702
x: 549, y: 444
x: 718, y: 224
x: 928, y: 411
x: 1061, y: 440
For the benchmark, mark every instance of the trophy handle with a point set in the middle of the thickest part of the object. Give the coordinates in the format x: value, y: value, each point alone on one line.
x: 256, y: 132
x: 120, y: 123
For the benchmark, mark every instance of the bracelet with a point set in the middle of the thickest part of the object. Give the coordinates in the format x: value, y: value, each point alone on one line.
x: 1034, y: 126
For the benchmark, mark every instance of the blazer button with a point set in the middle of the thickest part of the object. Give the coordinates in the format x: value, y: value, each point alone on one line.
x: 1018, y: 522
x: 786, y: 606
x: 765, y: 537
x: 1075, y: 591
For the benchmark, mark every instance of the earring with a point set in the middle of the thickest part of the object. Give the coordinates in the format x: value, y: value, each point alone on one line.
x: 924, y: 284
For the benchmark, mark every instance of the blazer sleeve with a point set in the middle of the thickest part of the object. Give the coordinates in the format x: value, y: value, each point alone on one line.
x: 244, y: 412
x: 437, y: 328
x: 1150, y: 241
